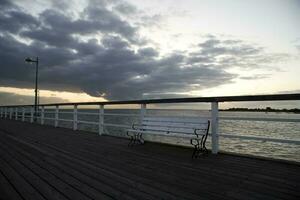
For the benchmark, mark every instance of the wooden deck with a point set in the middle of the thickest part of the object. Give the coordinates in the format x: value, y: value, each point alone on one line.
x: 42, y: 162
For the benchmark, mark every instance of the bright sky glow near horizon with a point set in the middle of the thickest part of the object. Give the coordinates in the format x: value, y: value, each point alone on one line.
x: 98, y: 50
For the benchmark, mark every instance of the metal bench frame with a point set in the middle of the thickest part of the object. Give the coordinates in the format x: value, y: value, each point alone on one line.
x: 197, y: 138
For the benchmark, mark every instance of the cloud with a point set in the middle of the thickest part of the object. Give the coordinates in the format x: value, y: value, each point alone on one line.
x: 13, y: 19
x: 289, y: 92
x: 125, y: 8
x: 102, y: 54
x: 16, y: 99
x: 297, y: 45
x: 230, y: 53
x: 255, y: 77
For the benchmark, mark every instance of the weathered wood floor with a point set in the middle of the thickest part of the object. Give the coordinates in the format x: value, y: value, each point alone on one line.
x: 42, y: 162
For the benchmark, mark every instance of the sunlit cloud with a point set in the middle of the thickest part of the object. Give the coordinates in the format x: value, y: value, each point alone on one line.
x: 116, y: 50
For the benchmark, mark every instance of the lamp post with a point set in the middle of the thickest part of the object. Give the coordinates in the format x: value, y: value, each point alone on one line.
x: 29, y: 60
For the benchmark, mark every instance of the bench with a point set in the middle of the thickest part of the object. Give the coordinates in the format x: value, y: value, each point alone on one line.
x: 194, y: 129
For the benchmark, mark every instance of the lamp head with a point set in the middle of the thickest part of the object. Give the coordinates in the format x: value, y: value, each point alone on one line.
x: 28, y: 60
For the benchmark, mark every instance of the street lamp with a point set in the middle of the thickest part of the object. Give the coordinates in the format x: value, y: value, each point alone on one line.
x: 29, y: 60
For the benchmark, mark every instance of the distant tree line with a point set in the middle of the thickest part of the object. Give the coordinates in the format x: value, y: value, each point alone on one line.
x: 267, y: 109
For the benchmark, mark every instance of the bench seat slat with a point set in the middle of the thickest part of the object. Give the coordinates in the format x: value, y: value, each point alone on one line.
x: 171, y: 129
x: 189, y: 120
x: 200, y: 126
x: 173, y: 134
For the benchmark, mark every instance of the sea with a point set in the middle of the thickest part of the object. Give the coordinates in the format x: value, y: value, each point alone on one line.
x: 285, y: 130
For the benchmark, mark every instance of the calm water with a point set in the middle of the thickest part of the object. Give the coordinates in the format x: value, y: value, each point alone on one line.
x: 288, y: 130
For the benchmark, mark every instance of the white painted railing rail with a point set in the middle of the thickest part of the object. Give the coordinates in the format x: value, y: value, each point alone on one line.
x: 26, y: 113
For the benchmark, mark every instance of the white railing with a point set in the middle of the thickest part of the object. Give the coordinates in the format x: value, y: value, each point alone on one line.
x: 26, y: 113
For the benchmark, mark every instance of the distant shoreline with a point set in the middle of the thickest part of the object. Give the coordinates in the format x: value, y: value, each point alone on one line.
x: 267, y: 109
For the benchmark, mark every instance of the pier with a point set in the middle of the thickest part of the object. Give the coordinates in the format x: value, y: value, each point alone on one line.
x: 39, y: 161
x: 43, y: 162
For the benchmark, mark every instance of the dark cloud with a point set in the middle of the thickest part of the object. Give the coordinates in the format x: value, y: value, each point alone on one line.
x: 13, y: 19
x: 5, y: 4
x: 148, y: 52
x: 235, y: 53
x: 114, y: 62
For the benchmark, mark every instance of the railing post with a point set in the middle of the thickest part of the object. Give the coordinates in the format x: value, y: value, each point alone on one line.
x: 143, y: 112
x: 5, y: 113
x: 101, y: 119
x: 56, y: 116
x: 10, y: 113
x: 75, y: 118
x: 214, y: 127
x: 43, y: 115
x: 16, y: 113
x: 31, y: 114
x: 1, y: 112
x: 23, y: 114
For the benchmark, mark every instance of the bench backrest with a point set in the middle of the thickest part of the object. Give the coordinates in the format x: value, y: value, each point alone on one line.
x: 176, y: 125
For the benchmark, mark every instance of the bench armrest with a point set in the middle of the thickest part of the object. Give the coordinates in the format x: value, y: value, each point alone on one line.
x: 203, y: 131
x: 136, y: 126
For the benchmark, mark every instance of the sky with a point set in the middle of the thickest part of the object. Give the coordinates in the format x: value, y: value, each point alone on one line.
x: 103, y: 50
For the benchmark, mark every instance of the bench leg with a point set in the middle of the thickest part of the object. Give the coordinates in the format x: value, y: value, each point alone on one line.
x: 131, y: 139
x: 194, y: 155
x: 140, y: 138
x: 199, y: 147
x: 136, y: 138
x: 203, y: 147
x: 197, y: 150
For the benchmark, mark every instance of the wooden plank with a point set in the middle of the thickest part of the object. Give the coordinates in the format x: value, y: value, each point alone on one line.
x: 25, y: 189
x: 85, y: 164
x: 7, y: 191
x: 64, y: 131
x: 131, y: 173
x: 154, y: 168
x: 38, y: 183
x: 138, y: 182
x: 43, y: 179
x: 111, y: 179
x: 71, y: 180
x: 204, y: 177
x: 87, y: 185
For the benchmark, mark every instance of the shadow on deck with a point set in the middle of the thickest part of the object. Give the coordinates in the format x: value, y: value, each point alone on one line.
x: 42, y: 162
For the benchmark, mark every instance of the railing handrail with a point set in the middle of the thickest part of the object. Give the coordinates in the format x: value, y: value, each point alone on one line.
x: 13, y: 112
x: 273, y: 97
